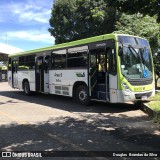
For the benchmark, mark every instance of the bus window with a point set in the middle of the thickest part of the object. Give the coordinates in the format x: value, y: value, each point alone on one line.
x: 30, y: 61
x: 58, y: 61
x: 26, y: 62
x: 77, y: 59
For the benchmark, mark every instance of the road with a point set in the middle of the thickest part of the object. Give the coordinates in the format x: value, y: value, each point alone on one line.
x: 55, y: 123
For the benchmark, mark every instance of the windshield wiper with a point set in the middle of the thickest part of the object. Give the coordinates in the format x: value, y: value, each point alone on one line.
x: 130, y: 47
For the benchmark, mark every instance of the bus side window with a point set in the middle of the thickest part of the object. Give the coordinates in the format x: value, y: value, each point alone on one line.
x: 58, y: 61
x: 77, y: 59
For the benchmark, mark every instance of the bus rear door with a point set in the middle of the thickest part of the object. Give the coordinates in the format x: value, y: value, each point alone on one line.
x: 15, y: 73
x: 42, y: 74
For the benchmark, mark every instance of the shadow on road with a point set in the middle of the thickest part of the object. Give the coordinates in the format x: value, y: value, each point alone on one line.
x: 66, y: 103
x: 70, y: 134
x: 96, y: 132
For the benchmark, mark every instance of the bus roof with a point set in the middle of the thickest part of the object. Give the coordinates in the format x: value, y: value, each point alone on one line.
x: 70, y: 44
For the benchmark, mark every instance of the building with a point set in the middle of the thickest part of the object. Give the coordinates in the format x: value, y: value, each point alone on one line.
x: 5, y: 50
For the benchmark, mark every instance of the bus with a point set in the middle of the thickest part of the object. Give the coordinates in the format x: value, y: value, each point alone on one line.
x: 3, y: 71
x: 114, y: 68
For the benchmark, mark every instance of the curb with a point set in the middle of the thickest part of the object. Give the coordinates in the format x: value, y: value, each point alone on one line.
x: 151, y: 113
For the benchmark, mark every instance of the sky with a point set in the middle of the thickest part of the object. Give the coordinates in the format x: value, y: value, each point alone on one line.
x: 24, y: 23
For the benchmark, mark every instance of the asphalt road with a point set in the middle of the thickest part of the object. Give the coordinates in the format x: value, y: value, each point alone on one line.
x: 56, y: 123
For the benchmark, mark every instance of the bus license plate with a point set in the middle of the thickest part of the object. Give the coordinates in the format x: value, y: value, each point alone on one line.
x: 144, y: 97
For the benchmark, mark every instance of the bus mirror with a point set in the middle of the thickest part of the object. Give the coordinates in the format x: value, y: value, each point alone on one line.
x: 120, y: 52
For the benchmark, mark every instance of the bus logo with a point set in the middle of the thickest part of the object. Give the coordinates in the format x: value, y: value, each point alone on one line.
x: 79, y: 74
x: 101, y: 45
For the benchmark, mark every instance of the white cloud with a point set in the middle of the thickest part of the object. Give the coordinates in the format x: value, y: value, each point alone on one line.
x: 32, y: 16
x: 26, y: 11
x: 32, y: 35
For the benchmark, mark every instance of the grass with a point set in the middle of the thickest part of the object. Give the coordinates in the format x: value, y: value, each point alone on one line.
x: 155, y: 105
x: 155, y: 102
x: 156, y: 97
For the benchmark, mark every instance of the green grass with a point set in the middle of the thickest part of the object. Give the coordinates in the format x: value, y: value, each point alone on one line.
x: 156, y: 97
x: 155, y: 102
x: 154, y: 105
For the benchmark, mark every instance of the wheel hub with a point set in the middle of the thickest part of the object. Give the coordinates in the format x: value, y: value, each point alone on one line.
x: 82, y: 95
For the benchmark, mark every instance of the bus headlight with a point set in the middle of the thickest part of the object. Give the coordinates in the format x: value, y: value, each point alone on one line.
x: 126, y: 88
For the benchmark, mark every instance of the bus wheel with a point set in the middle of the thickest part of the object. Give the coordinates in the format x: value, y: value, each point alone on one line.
x: 27, y: 89
x: 82, y: 95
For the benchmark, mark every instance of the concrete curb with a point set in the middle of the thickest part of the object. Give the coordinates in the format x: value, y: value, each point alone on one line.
x: 151, y: 113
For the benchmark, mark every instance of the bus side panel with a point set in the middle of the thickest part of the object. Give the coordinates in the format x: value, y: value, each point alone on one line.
x: 32, y: 80
x: 26, y: 75
x: 61, y: 81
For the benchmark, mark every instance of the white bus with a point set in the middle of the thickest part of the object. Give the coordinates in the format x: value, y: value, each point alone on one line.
x: 112, y: 68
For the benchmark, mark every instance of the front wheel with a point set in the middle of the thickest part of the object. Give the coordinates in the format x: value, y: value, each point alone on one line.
x: 27, y: 91
x: 82, y: 95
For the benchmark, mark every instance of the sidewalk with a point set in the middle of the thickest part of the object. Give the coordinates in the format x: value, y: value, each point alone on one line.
x: 151, y: 113
x: 153, y: 107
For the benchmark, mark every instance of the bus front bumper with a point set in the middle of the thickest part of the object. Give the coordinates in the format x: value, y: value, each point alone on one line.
x: 128, y: 96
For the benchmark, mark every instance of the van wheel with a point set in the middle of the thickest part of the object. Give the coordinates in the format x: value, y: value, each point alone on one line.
x: 82, y: 95
x: 27, y: 89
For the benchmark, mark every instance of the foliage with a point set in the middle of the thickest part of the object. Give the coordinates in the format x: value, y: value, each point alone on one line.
x: 145, y: 7
x: 143, y: 26
x: 157, y: 69
x: 77, y: 19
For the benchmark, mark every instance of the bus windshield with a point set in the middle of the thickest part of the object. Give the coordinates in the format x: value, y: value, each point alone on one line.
x: 136, y: 60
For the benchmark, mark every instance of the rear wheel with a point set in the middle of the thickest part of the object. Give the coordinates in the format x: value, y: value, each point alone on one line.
x: 82, y: 95
x: 27, y: 89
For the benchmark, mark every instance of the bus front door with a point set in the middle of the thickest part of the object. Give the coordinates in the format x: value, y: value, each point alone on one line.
x: 98, y: 75
x: 42, y: 74
x: 15, y: 73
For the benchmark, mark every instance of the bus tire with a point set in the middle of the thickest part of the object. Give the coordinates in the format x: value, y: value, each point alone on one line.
x: 82, y: 95
x: 27, y: 91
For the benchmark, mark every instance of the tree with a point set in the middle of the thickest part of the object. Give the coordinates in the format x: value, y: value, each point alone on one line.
x: 157, y: 67
x: 143, y: 26
x: 145, y: 7
x: 77, y: 19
